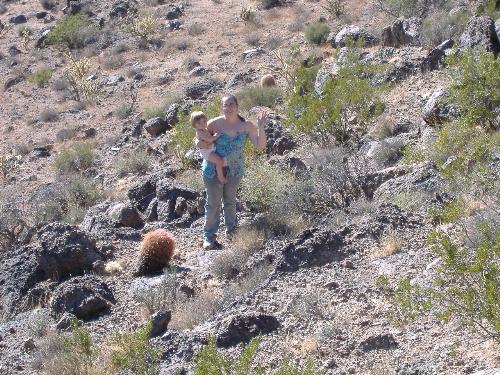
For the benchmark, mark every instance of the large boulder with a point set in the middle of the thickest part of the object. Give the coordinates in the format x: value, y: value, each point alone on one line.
x: 402, y: 32
x: 438, y: 110
x: 279, y: 140
x: 201, y: 89
x: 82, y: 296
x: 378, y: 342
x: 172, y: 199
x: 59, y: 251
x: 355, y: 33
x: 435, y: 58
x: 122, y: 8
x: 156, y: 126
x: 242, y: 328
x: 480, y: 31
x: 126, y: 215
x: 142, y: 194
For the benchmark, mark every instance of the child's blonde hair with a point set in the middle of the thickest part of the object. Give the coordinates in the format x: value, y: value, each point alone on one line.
x: 197, y: 115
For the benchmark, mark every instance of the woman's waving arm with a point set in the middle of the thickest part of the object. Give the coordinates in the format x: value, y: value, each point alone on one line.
x: 257, y: 133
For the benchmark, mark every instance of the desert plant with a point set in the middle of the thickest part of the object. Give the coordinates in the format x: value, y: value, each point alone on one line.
x: 133, y: 352
x: 134, y: 161
x: 489, y: 8
x: 71, y: 31
x: 49, y: 115
x: 317, y: 32
x: 253, y: 39
x: 161, y: 296
x: 9, y: 163
x: 41, y: 77
x: 344, y: 97
x: 76, y: 158
x: 248, y: 15
x: 48, y: 4
x: 196, y: 29
x: 12, y: 224
x: 440, y: 26
x: 151, y: 111
x: 156, y: 250
x: 25, y: 33
x: 390, y: 244
x: 335, y: 8
x: 77, y: 74
x: 287, y: 65
x: 144, y: 26
x: 256, y: 95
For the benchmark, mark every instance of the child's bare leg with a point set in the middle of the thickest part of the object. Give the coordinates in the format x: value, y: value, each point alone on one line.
x: 219, y: 166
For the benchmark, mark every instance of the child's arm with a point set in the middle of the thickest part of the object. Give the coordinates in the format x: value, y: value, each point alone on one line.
x: 207, y: 137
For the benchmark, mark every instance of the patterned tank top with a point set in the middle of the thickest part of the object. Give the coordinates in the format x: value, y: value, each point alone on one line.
x: 230, y: 148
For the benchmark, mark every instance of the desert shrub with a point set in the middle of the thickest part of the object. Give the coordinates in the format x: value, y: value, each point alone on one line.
x: 274, y: 42
x: 466, y: 286
x: 317, y: 32
x: 390, y: 244
x: 210, y: 361
x: 133, y: 352
x: 182, y: 136
x: 195, y: 310
x: 440, y: 26
x: 261, y: 196
x: 123, y: 111
x: 60, y: 84
x: 41, y: 77
x: 9, y: 163
x: 191, y: 178
x: 256, y: 95
x: 77, y: 73
x: 76, y: 158
x: 144, y: 26
x: 66, y: 133
x: 347, y: 95
x: 48, y: 4
x: 152, y: 111
x: 3, y: 9
x: 12, y: 224
x: 161, y: 296
x: 411, y: 8
x: 334, y: 8
x: 287, y: 66
x: 489, y: 8
x: 196, y: 29
x: 227, y: 264
x: 82, y: 192
x: 253, y: 39
x: 49, y: 115
x: 135, y: 161
x: 72, y: 31
x: 268, y: 4
x: 248, y: 15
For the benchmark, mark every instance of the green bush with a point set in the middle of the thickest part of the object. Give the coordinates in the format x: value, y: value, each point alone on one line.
x: 256, y: 95
x: 209, y: 361
x: 41, y: 77
x: 467, y: 285
x: 262, y: 196
x: 133, y: 352
x: 317, y: 33
x: 136, y: 161
x: 489, y: 8
x: 346, y: 96
x: 411, y: 8
x: 76, y: 158
x: 71, y: 31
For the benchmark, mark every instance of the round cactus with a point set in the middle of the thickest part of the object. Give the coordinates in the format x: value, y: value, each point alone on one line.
x: 268, y: 80
x: 156, y: 250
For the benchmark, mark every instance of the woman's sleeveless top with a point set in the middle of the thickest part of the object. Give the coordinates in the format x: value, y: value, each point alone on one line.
x: 230, y: 148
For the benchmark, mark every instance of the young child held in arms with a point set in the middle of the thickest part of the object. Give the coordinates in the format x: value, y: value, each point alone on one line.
x: 207, y: 147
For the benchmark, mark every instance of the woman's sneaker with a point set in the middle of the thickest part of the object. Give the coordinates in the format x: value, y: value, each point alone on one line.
x: 211, y: 245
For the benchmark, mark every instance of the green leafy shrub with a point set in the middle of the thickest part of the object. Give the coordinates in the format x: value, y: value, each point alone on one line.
x: 489, y: 8
x: 71, y: 31
x: 317, y: 33
x: 347, y: 95
x: 411, y: 8
x: 440, y: 26
x: 41, y: 77
x: 133, y: 352
x: 76, y: 158
x: 209, y: 361
x: 262, y: 196
x: 135, y: 161
x: 466, y: 286
x: 256, y: 95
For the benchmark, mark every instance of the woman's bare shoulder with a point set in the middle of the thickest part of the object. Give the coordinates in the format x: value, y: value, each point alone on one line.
x: 215, y: 120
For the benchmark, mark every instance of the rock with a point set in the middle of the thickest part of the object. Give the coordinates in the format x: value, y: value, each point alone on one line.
x: 291, y: 163
x: 201, y: 89
x: 497, y: 27
x: 114, y: 79
x: 242, y: 328
x: 386, y: 152
x: 420, y: 367
x: 328, y: 70
x: 159, y: 321
x: 332, y: 285
x: 122, y: 8
x: 402, y: 32
x: 16, y: 20
x: 378, y: 342
x: 156, y: 126
x: 12, y: 81
x: 142, y: 194
x: 83, y: 296
x: 126, y: 215
x: 437, y: 110
x: 198, y: 71
x: 174, y: 11
x: 250, y: 53
x: 29, y: 345
x: 151, y: 213
x: 171, y: 114
x: 372, y: 181
x: 89, y: 133
x: 480, y: 31
x: 242, y: 78
x: 180, y: 206
x: 174, y: 24
x: 41, y: 40
x: 14, y: 51
x: 41, y: 152
x: 494, y: 371
x: 41, y: 15
x: 168, y: 189
x: 279, y: 140
x: 434, y: 59
x: 355, y: 33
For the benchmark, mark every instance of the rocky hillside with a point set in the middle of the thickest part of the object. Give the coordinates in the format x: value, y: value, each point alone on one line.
x: 368, y: 240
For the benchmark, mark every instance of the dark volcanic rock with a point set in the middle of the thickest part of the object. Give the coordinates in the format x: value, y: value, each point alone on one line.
x: 122, y: 8
x: 159, y: 321
x: 156, y: 126
x: 201, y: 89
x: 438, y: 110
x: 143, y: 193
x: 242, y: 328
x: 434, y: 59
x: 174, y: 11
x: 279, y: 140
x: 480, y: 31
x: 16, y: 20
x: 82, y: 296
x: 355, y: 33
x: 377, y: 342
x: 126, y: 215
x: 402, y: 32
x: 169, y: 189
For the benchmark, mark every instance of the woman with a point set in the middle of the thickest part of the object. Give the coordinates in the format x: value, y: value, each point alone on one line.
x: 233, y: 130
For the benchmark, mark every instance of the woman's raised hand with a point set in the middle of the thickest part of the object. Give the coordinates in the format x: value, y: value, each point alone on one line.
x: 262, y: 117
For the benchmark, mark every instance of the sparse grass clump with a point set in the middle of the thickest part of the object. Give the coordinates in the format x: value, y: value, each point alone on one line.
x: 317, y: 32
x: 71, y: 31
x: 123, y: 111
x: 41, y: 77
x: 268, y: 4
x: 391, y: 244
x: 253, y: 39
x: 256, y: 96
x: 196, y: 29
x: 49, y: 115
x: 76, y: 158
x: 136, y: 161
x: 48, y: 4
x: 440, y: 26
x: 151, y: 111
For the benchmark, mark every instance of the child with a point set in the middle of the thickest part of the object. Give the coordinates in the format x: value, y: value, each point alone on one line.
x: 207, y: 148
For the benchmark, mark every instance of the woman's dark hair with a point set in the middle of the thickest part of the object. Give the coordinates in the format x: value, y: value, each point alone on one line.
x: 233, y: 97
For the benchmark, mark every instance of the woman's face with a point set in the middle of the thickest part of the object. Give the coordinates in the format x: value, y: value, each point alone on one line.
x: 229, y: 107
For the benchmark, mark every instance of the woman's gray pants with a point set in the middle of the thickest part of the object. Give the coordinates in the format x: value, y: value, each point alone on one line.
x: 216, y: 194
